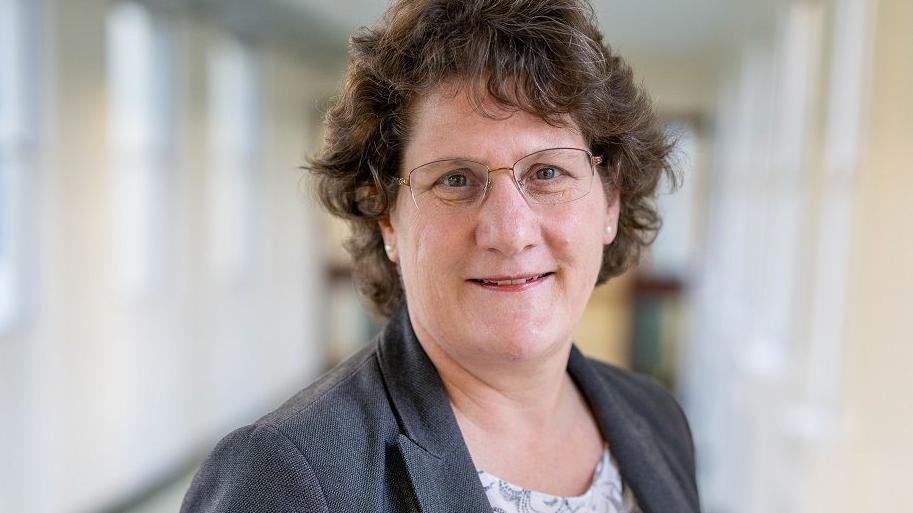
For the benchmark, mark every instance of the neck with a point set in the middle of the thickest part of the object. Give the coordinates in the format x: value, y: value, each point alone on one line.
x: 494, y: 395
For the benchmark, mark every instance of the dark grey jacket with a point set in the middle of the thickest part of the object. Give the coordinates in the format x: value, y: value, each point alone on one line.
x: 377, y: 434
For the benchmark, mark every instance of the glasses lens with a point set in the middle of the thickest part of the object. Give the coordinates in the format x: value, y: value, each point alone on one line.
x: 448, y: 183
x: 555, y: 176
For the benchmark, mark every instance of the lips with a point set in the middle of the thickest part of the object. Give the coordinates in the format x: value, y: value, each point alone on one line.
x: 511, y: 281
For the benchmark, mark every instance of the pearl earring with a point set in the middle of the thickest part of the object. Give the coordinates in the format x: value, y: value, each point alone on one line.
x: 608, y: 229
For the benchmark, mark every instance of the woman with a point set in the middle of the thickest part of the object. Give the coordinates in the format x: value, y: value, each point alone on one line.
x: 495, y: 162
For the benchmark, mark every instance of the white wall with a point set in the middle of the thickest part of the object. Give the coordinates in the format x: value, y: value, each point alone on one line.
x: 798, y: 329
x: 111, y: 382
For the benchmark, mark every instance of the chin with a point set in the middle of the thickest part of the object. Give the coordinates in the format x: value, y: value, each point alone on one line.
x: 527, y: 343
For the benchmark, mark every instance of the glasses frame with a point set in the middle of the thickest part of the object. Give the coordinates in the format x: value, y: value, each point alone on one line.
x: 594, y: 161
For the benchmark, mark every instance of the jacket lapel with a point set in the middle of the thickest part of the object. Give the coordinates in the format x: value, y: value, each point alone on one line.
x: 438, y: 463
x: 641, y: 462
x: 442, y: 484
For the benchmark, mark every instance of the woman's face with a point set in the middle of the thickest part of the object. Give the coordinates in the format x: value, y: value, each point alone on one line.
x: 448, y: 259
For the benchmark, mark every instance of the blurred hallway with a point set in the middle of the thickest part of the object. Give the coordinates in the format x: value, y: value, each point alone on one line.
x: 153, y: 217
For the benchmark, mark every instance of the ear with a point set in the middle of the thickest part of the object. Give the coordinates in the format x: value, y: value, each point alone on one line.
x: 613, y: 207
x: 388, y: 232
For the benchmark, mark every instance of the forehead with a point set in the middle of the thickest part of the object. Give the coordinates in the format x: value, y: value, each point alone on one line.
x: 448, y: 123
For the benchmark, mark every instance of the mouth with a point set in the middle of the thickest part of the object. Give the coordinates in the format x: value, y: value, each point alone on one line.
x: 511, y: 283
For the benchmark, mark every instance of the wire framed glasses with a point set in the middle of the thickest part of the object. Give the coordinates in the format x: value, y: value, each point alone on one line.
x: 545, y: 177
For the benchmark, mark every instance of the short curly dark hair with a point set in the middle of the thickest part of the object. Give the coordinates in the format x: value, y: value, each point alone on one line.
x: 545, y: 57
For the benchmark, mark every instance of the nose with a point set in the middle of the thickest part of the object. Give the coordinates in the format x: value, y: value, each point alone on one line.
x: 506, y: 224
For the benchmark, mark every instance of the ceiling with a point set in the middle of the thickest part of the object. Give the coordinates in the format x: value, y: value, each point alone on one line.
x: 642, y: 27
x: 678, y: 48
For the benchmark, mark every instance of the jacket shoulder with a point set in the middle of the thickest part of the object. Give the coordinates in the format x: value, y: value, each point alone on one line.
x: 344, y: 380
x: 348, y: 405
x: 640, y: 389
x: 330, y: 437
x: 653, y: 403
x: 254, y: 469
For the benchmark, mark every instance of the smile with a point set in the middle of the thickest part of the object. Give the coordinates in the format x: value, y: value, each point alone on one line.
x: 512, y: 282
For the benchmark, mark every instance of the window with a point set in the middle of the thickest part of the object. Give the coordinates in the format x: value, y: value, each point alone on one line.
x: 141, y: 68
x: 17, y: 154
x: 234, y: 127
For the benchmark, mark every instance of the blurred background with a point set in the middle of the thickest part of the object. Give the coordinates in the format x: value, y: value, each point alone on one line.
x: 166, y: 276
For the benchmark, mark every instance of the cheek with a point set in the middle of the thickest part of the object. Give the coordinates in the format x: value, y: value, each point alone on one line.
x: 579, y: 238
x: 429, y: 259
x: 424, y: 260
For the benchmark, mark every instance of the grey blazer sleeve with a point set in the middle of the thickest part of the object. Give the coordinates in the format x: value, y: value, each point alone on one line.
x: 255, y: 469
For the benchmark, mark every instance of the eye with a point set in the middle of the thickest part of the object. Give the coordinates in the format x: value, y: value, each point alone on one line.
x: 547, y: 173
x: 455, y: 180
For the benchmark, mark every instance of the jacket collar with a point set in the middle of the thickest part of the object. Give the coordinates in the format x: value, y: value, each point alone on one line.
x: 641, y: 462
x: 438, y: 462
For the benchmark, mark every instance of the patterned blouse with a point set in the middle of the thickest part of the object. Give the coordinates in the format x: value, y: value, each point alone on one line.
x: 607, y: 494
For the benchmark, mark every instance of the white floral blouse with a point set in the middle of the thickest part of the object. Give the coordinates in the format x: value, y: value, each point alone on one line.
x: 607, y: 494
